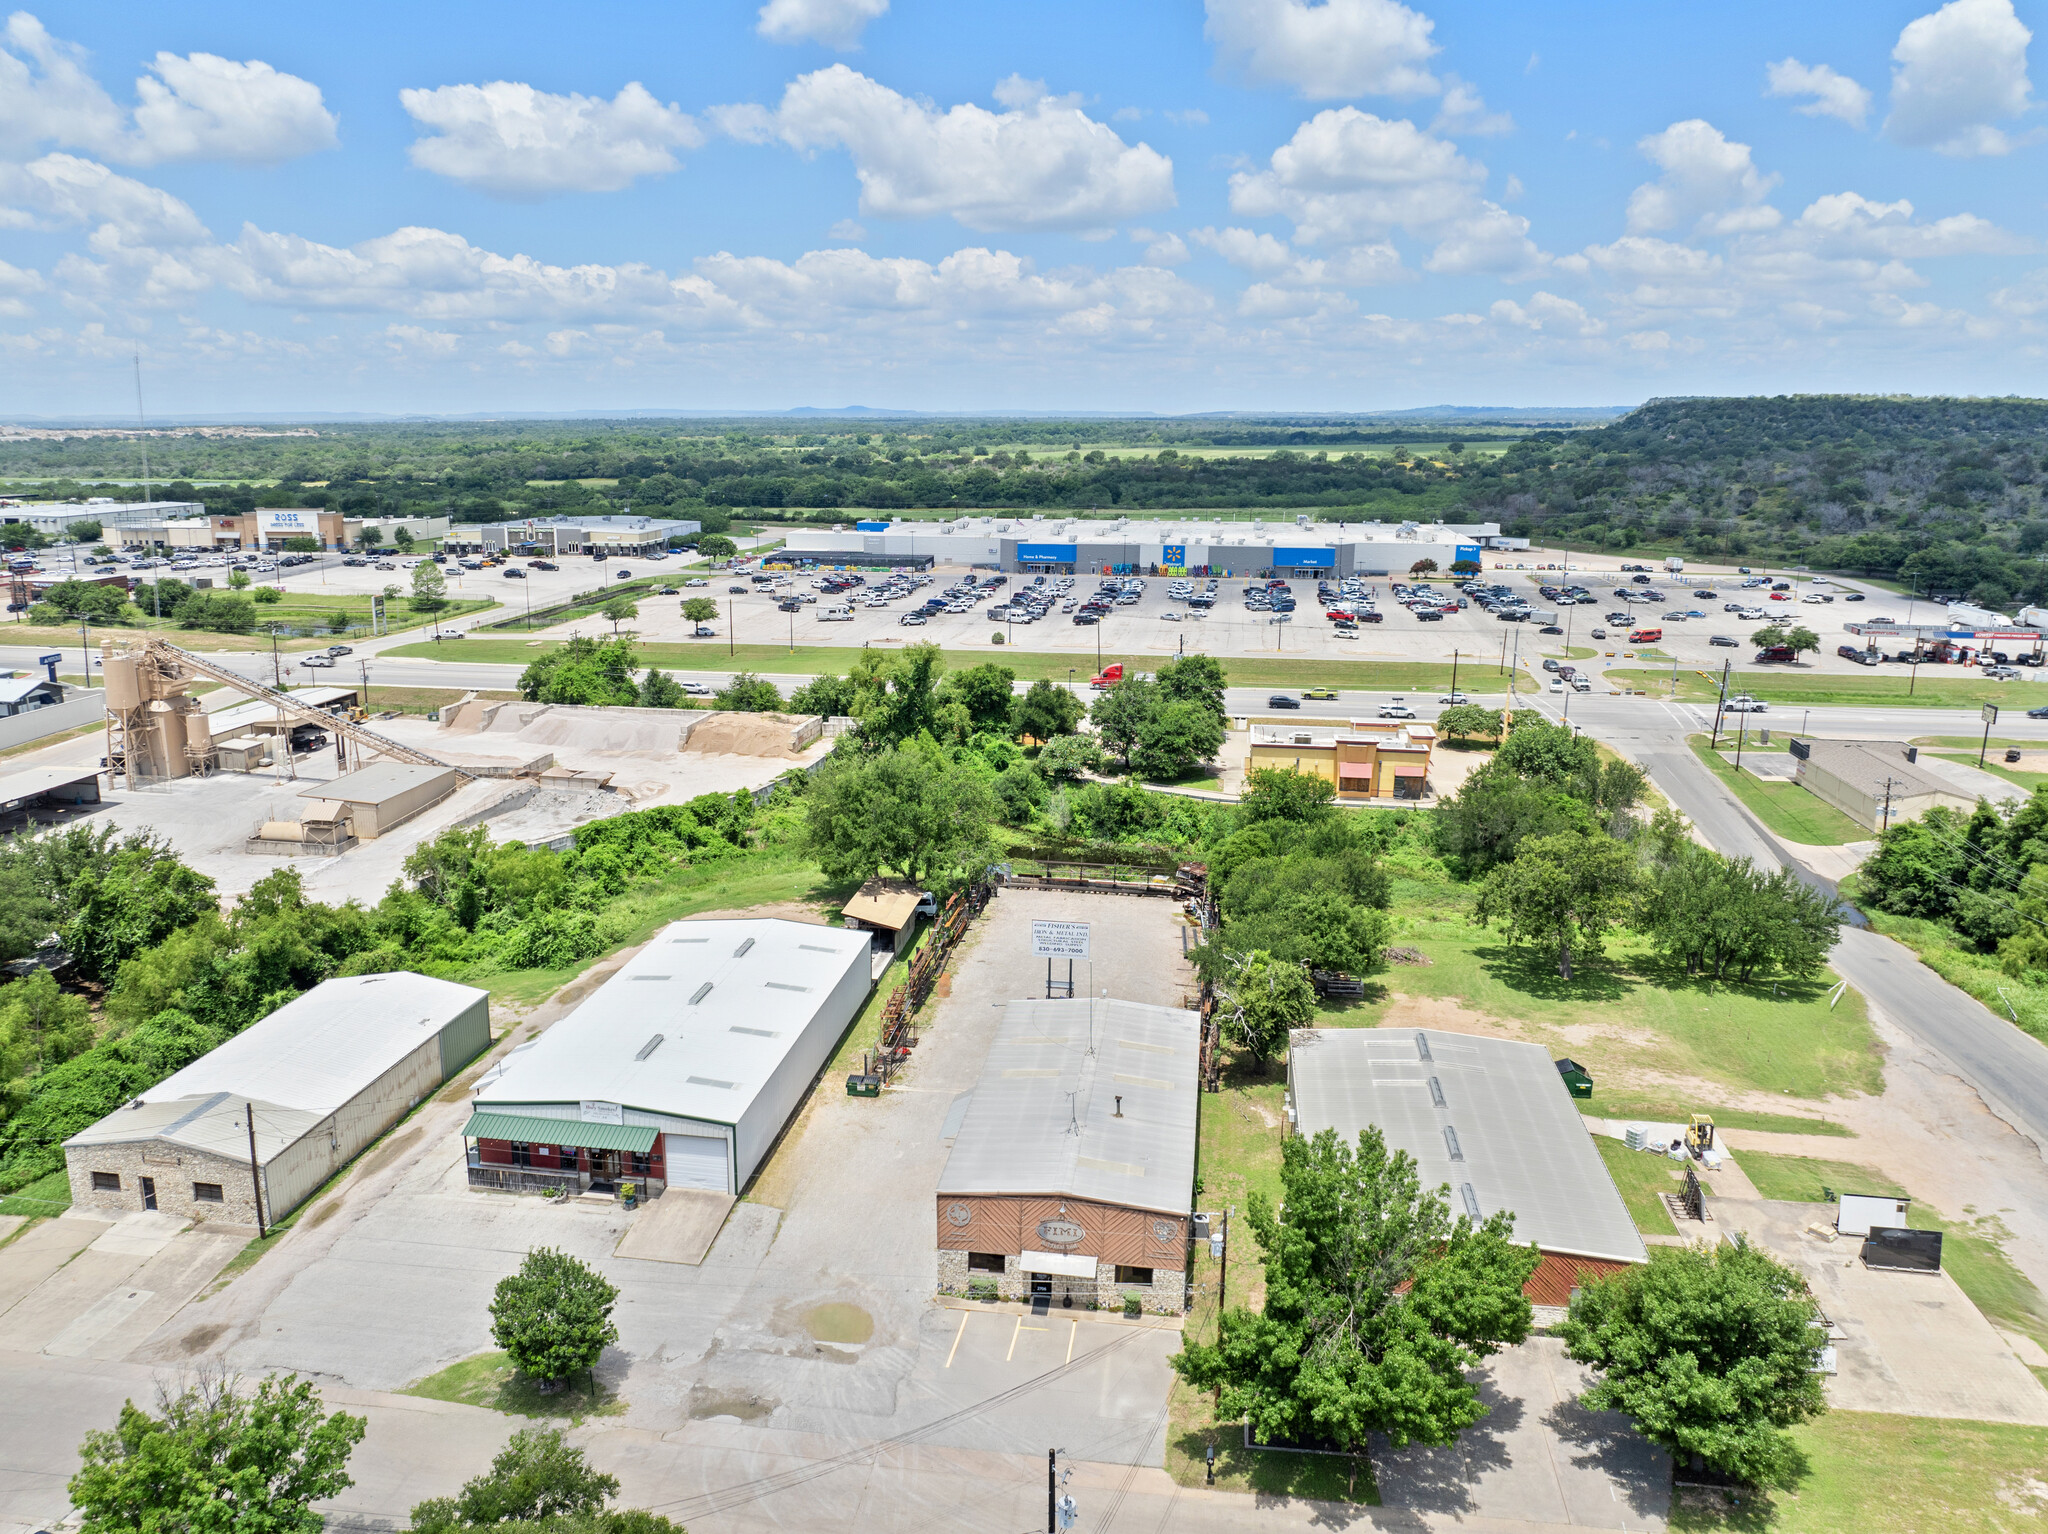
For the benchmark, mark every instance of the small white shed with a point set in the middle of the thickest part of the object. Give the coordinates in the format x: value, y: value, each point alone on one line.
x: 1859, y: 1213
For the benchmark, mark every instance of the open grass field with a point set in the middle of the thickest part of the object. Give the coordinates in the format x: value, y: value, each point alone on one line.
x: 1800, y: 1179
x: 1786, y: 808
x: 1902, y: 1475
x: 1643, y: 1180
x: 1631, y: 1020
x: 1030, y: 665
x: 1886, y: 687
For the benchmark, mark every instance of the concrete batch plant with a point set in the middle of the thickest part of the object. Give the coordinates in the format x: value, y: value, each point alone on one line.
x: 1490, y: 1117
x: 680, y: 1070
x: 1072, y: 1170
x: 321, y: 1077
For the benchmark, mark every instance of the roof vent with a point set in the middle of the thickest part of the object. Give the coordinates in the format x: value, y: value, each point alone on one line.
x: 649, y: 1047
x: 1422, y: 1045
x: 741, y: 951
x: 707, y: 1081
x: 702, y: 991
x: 1436, y: 1091
x: 654, y: 977
x: 1471, y: 1202
x: 1451, y: 1143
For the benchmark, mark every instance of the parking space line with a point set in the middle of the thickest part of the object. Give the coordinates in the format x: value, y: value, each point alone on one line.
x: 1071, y: 1335
x: 956, y: 1338
x: 1013, y: 1340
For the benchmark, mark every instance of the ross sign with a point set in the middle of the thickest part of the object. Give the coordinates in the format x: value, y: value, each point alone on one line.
x: 1059, y: 940
x: 288, y: 522
x: 1305, y: 559
x: 601, y: 1113
x: 1057, y: 1233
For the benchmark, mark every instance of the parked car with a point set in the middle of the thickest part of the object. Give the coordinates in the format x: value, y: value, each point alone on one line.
x: 912, y: 620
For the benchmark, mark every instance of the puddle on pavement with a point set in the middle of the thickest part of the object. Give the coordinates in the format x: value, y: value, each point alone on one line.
x: 706, y: 1404
x: 839, y: 1323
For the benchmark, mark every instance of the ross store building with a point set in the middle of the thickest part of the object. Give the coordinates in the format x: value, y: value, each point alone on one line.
x: 323, y: 1076
x: 1490, y: 1117
x: 680, y: 1070
x: 1040, y: 545
x: 1072, y: 1171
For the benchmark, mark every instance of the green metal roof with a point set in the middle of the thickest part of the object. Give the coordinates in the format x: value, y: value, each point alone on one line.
x: 526, y: 1129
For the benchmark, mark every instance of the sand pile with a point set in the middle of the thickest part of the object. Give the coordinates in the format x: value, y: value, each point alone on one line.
x: 614, y: 731
x: 736, y: 734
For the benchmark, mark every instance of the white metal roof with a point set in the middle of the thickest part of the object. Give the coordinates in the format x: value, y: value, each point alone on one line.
x: 1521, y: 1143
x: 1043, y: 1118
x: 726, y: 1001
x: 15, y: 688
x: 234, y: 714
x: 31, y: 781
x: 319, y: 1051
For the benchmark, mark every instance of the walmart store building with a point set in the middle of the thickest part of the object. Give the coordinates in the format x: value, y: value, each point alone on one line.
x: 1126, y: 546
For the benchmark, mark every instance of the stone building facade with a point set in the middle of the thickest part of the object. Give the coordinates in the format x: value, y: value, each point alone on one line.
x: 987, y: 1238
x: 191, y: 1184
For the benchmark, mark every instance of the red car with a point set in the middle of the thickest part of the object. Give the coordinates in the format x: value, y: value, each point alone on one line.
x: 1781, y: 596
x: 1336, y: 613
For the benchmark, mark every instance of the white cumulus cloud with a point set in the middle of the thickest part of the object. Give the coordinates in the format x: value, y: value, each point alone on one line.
x: 1846, y: 223
x: 1708, y: 179
x: 202, y: 107
x: 1347, y: 173
x: 835, y: 23
x: 1828, y: 93
x: 513, y: 141
x: 1956, y: 75
x: 63, y: 190
x: 190, y: 107
x: 1327, y: 51
x: 1464, y: 113
x: 1041, y: 163
x: 1546, y: 311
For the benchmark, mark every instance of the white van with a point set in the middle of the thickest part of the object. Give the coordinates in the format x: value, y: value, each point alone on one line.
x: 835, y: 615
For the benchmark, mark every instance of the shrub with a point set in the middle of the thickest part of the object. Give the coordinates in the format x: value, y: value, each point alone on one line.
x: 553, y: 939
x: 984, y: 1289
x: 1134, y: 1304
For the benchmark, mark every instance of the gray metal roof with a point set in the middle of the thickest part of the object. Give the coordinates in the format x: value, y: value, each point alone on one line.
x: 1523, y: 1146
x: 31, y: 781
x: 1868, y: 765
x: 376, y: 783
x: 210, y: 1122
x: 318, y: 1051
x: 1043, y: 1116
x: 692, y: 1026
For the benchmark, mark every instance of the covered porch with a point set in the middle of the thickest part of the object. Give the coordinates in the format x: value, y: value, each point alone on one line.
x: 530, y: 1153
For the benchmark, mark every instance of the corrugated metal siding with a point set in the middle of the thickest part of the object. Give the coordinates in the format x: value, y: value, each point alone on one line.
x: 792, y: 1077
x: 468, y: 1036
x: 295, y: 1173
x: 1556, y: 1276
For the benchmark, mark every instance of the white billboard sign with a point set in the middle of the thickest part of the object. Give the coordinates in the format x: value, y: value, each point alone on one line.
x: 1059, y: 940
x: 288, y: 522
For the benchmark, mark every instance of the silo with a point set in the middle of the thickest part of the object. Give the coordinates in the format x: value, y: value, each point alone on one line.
x: 122, y: 678
x: 170, y: 730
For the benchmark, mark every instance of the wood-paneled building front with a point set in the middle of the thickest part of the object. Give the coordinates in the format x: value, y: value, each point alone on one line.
x: 1072, y: 1170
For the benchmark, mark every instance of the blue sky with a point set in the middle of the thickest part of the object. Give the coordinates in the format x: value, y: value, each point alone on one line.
x: 1210, y: 204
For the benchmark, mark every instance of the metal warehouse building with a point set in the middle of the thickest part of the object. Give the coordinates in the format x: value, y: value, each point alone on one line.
x: 1488, y: 1116
x: 1072, y: 1170
x: 323, y: 1076
x: 680, y: 1070
x: 1068, y: 545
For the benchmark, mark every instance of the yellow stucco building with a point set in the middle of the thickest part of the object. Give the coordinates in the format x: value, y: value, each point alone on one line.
x: 1363, y: 758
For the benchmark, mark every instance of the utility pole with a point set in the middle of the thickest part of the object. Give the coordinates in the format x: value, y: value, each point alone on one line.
x: 1720, y: 707
x: 1454, y: 673
x: 1885, y: 823
x: 255, y: 1172
x: 85, y: 648
x: 1052, y: 1491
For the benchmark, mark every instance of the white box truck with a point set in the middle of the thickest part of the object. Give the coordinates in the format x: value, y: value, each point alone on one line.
x: 1675, y: 565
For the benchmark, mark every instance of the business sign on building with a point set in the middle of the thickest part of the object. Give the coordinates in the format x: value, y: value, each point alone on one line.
x: 1174, y: 555
x: 1046, y: 553
x: 288, y: 522
x: 871, y: 527
x: 1468, y: 551
x: 601, y: 1112
x: 1305, y: 559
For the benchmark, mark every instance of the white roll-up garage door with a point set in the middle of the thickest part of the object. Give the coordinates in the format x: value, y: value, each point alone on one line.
x: 697, y: 1161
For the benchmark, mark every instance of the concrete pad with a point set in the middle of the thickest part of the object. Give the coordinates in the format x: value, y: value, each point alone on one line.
x: 10, y: 1223
x: 38, y: 1253
x: 143, y: 1233
x: 1537, y: 1456
x: 1909, y: 1343
x: 677, y: 1227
